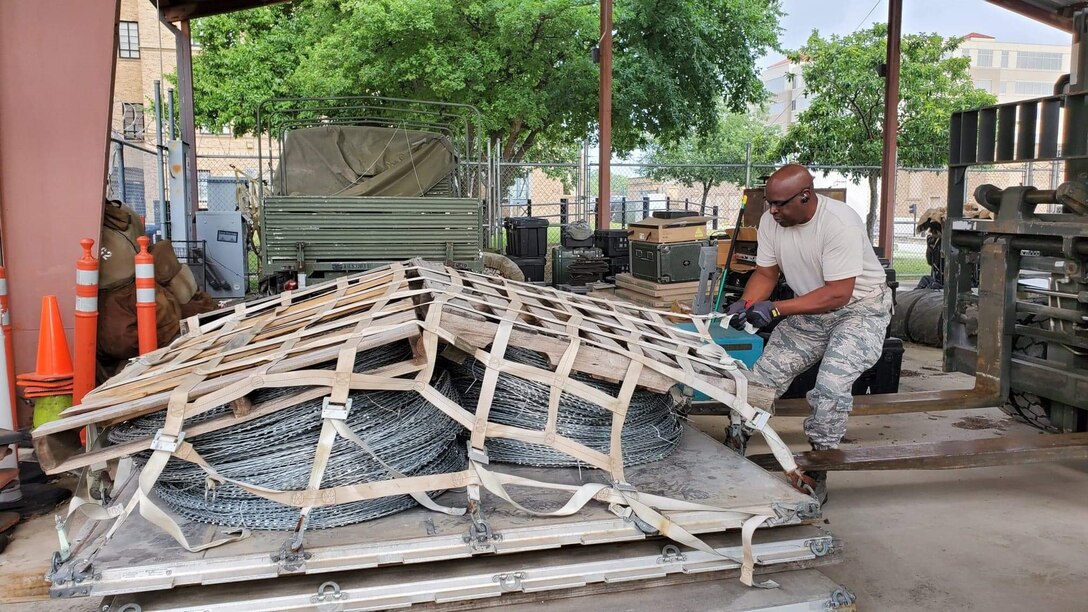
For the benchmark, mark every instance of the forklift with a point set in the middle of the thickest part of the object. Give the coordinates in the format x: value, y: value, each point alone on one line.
x: 1030, y: 288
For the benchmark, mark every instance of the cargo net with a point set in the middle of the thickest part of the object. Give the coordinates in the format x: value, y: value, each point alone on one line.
x: 651, y: 429
x: 401, y: 429
x: 245, y: 403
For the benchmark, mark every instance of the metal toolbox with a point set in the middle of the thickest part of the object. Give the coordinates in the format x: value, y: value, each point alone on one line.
x: 666, y: 263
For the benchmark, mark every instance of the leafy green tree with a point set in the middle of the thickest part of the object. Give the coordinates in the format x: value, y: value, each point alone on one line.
x: 844, y: 121
x: 526, y: 65
x: 717, y: 157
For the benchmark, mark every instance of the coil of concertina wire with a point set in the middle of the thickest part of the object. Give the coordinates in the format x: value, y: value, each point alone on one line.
x: 275, y: 451
x: 651, y: 431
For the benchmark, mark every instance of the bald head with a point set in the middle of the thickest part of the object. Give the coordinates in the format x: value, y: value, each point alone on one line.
x: 789, y: 195
x: 791, y: 178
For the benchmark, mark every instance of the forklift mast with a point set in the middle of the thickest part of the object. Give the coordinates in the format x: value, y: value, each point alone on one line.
x: 1031, y: 340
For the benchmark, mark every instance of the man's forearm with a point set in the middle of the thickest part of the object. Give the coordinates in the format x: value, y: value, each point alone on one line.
x: 759, y: 286
x: 824, y: 299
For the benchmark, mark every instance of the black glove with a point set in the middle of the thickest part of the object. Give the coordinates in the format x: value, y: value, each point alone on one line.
x: 738, y: 313
x: 761, y: 314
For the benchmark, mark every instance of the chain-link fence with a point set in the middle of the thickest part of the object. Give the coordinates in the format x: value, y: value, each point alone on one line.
x: 563, y: 193
x: 135, y: 178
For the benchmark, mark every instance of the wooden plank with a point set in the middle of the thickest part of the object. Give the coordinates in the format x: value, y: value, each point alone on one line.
x: 25, y: 562
x: 598, y: 363
x: 643, y: 300
x: 626, y: 279
x: 879, y: 404
x: 157, y: 401
x: 949, y: 455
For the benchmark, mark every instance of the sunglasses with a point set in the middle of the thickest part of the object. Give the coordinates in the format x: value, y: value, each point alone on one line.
x: 783, y: 203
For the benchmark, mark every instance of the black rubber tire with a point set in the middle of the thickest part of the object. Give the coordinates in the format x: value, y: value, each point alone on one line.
x: 1028, y: 407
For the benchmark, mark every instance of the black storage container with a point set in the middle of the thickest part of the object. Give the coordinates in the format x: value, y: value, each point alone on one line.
x: 673, y: 214
x: 531, y: 267
x: 881, y: 378
x: 526, y: 236
x: 571, y: 243
x: 620, y: 264
x: 612, y: 242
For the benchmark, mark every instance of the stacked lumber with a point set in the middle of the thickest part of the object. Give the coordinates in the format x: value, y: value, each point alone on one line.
x: 654, y: 295
x: 290, y: 341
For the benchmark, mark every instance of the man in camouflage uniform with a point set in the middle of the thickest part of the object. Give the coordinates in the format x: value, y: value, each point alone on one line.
x: 842, y: 307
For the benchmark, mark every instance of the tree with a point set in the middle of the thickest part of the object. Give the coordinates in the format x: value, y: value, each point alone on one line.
x: 844, y: 121
x: 526, y: 65
x: 721, y: 150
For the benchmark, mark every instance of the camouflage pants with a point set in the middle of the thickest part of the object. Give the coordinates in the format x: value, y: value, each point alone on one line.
x: 849, y: 340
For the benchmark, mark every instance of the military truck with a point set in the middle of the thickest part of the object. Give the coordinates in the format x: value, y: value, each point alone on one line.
x: 349, y: 184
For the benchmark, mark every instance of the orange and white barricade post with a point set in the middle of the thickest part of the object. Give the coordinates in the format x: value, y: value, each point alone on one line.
x: 10, y: 490
x: 9, y: 346
x: 145, y: 298
x: 84, y: 349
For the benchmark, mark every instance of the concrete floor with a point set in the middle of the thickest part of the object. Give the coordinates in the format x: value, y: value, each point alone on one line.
x: 1000, y: 538
x: 1006, y: 538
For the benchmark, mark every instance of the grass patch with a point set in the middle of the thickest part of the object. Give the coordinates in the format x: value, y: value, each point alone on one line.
x: 909, y: 264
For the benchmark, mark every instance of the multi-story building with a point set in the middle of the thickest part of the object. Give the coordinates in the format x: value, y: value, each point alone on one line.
x: 1010, y: 71
x: 146, y: 53
x: 1014, y: 71
x: 787, y: 95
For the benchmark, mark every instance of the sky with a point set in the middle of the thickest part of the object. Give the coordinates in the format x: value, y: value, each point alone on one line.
x: 945, y: 17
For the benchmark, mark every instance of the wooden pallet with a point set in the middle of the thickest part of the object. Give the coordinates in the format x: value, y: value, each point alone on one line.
x: 658, y: 290
x: 223, y: 357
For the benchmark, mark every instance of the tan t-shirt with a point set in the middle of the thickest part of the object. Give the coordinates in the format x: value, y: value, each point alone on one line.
x: 832, y: 246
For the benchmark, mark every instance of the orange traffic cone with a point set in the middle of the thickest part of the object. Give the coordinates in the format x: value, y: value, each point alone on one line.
x: 54, y: 360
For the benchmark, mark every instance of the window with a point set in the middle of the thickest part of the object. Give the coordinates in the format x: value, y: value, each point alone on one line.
x: 129, y: 39
x: 1004, y: 59
x: 1004, y: 88
x: 1037, y: 60
x: 985, y: 58
x: 776, y: 84
x: 793, y: 105
x: 1033, y: 88
x: 132, y: 120
x: 984, y: 84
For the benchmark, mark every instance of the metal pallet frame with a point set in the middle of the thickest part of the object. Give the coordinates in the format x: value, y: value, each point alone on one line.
x: 139, y: 557
x: 555, y: 573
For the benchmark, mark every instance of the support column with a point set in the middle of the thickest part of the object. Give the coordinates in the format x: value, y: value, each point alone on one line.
x: 604, y: 190
x: 891, y: 128
x: 56, y: 66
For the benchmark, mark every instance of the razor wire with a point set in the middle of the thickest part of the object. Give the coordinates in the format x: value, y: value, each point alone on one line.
x: 401, y: 428
x: 651, y: 430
